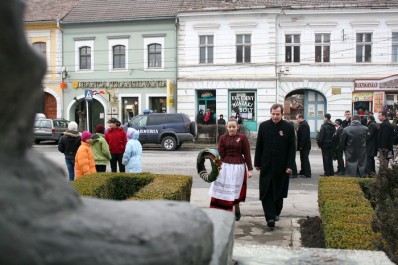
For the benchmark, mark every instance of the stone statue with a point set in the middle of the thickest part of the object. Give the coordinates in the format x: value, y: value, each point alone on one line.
x: 42, y: 218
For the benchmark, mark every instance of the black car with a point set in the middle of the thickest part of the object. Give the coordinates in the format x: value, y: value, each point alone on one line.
x: 49, y: 129
x: 168, y: 129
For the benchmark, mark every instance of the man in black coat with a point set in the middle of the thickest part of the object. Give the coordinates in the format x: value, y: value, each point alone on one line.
x: 385, y: 139
x: 325, y: 142
x: 371, y: 145
x: 275, y: 158
x: 337, y: 148
x: 304, y: 146
x: 347, y: 120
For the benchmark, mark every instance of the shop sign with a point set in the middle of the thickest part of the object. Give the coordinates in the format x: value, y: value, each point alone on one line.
x: 363, y: 96
x: 206, y: 94
x: 119, y: 84
x: 170, y: 93
x: 385, y: 84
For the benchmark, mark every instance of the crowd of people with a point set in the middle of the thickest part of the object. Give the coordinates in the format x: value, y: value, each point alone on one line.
x: 87, y: 153
x: 275, y: 152
x: 359, y: 143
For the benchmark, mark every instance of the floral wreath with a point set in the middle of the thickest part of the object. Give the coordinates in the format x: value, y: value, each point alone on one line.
x: 215, y: 161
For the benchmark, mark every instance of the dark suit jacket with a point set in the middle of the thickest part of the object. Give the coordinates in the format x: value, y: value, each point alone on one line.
x: 303, y: 136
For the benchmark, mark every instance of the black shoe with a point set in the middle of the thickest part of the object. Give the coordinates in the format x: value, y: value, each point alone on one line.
x: 303, y: 176
x: 276, y: 218
x: 237, y: 216
x: 323, y: 175
x: 340, y: 173
x: 271, y: 224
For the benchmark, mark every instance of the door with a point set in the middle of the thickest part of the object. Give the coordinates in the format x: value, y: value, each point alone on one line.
x: 314, y: 110
x: 50, y: 106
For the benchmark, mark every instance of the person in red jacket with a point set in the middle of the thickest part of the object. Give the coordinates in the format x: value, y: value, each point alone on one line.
x: 116, y: 138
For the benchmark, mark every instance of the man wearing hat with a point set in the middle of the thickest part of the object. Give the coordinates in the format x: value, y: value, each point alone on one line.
x: 116, y: 138
x: 337, y: 149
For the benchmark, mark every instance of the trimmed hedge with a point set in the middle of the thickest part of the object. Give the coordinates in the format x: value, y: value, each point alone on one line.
x: 140, y: 186
x: 384, y: 197
x: 346, y: 214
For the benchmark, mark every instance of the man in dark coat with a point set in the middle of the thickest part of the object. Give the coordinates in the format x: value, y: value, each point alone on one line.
x: 371, y: 145
x: 385, y: 139
x: 337, y: 148
x: 274, y: 157
x: 347, y: 120
x: 304, y: 146
x: 199, y: 118
x: 325, y: 142
x: 353, y: 139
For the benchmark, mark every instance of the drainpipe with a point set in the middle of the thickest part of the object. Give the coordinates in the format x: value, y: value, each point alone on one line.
x: 61, y: 64
x: 176, y: 73
x: 277, y: 74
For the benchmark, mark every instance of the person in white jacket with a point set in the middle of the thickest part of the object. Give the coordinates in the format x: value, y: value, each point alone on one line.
x: 133, y: 152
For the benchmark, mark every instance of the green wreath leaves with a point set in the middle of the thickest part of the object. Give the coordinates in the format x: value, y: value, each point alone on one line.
x: 215, y: 161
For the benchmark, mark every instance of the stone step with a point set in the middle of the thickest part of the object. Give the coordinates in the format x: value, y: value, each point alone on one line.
x: 264, y: 255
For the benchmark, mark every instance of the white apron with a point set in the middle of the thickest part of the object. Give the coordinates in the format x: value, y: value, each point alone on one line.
x: 229, y: 182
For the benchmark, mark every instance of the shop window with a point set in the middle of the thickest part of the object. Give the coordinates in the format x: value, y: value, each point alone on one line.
x: 157, y: 104
x: 129, y: 108
x: 244, y: 104
x: 391, y: 105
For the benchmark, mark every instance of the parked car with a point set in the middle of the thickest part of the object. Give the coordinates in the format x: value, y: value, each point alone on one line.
x: 168, y: 129
x: 49, y: 129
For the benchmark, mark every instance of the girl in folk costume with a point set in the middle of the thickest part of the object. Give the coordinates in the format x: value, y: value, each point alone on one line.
x: 229, y: 189
x: 84, y: 160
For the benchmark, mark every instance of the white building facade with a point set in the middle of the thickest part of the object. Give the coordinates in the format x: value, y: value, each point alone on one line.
x: 313, y: 60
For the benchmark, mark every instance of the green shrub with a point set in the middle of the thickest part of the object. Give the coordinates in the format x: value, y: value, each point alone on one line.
x: 346, y: 214
x: 142, y: 186
x: 384, y: 197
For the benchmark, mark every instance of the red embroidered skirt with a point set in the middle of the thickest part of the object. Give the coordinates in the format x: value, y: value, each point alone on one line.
x: 228, y: 205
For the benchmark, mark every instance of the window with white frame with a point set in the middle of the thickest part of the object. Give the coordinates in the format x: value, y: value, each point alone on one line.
x: 85, y: 58
x: 243, y: 48
x: 40, y: 46
x: 206, y: 48
x: 154, y: 53
x: 292, y: 48
x: 394, y: 52
x: 118, y: 54
x: 84, y: 55
x: 322, y: 47
x: 364, y: 48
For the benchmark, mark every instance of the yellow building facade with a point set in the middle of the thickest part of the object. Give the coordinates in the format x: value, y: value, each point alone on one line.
x: 46, y: 38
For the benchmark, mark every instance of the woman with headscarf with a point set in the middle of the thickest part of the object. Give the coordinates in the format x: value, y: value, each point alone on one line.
x: 133, y: 153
